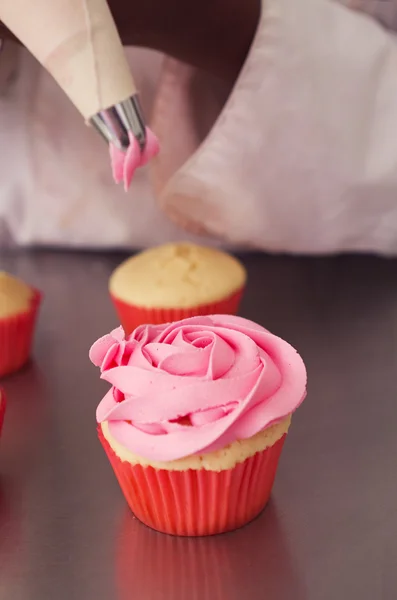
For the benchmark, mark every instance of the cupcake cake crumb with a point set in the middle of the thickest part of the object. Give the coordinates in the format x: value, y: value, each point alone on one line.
x: 219, y: 460
x: 15, y: 295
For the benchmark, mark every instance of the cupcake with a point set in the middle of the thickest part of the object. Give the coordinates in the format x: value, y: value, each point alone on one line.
x: 196, y: 419
x: 176, y: 281
x: 19, y: 304
x: 2, y: 408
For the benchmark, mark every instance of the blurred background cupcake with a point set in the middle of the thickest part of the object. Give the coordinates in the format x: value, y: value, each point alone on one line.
x: 175, y: 281
x: 19, y: 304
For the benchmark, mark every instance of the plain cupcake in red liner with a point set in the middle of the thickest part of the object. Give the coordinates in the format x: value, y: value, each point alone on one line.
x: 19, y: 305
x: 196, y: 418
x: 176, y: 281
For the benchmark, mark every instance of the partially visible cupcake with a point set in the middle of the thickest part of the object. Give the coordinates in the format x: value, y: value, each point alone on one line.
x: 19, y: 304
x: 196, y: 419
x: 2, y: 408
x: 175, y: 281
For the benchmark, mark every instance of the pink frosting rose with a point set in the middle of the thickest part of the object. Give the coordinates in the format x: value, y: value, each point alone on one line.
x: 196, y: 385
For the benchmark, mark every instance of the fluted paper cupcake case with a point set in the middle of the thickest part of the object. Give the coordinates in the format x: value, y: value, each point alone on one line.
x: 16, y: 336
x: 132, y: 316
x: 197, y: 502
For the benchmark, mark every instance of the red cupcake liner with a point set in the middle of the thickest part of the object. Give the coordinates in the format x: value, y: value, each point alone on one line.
x: 16, y: 336
x: 3, y: 404
x: 197, y: 502
x: 131, y: 316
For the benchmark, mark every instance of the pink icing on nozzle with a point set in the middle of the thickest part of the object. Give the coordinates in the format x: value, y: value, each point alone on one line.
x: 124, y: 164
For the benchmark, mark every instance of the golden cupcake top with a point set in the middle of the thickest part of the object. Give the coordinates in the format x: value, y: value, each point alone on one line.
x: 15, y: 295
x: 180, y: 275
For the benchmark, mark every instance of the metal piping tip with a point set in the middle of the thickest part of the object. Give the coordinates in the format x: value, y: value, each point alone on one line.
x: 114, y: 123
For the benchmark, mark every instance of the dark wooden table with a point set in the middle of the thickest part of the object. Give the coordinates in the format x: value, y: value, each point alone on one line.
x: 330, y: 530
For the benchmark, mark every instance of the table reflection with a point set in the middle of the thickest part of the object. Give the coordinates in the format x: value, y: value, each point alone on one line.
x: 154, y: 566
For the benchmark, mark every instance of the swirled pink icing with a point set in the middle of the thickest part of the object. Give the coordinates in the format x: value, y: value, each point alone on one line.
x: 196, y: 385
x: 124, y: 164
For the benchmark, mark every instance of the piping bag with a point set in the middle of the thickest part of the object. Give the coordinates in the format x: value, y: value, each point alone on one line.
x: 77, y: 42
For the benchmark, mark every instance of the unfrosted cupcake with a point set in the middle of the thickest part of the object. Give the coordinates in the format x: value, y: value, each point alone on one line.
x: 19, y: 304
x: 196, y: 419
x: 2, y: 408
x: 176, y: 281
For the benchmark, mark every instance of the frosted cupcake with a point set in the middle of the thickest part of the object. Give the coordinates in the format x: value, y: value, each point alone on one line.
x: 176, y: 281
x: 19, y: 304
x: 196, y: 419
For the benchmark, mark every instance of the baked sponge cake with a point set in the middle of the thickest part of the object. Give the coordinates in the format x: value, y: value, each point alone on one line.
x: 176, y: 281
x: 19, y: 304
x: 196, y: 417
